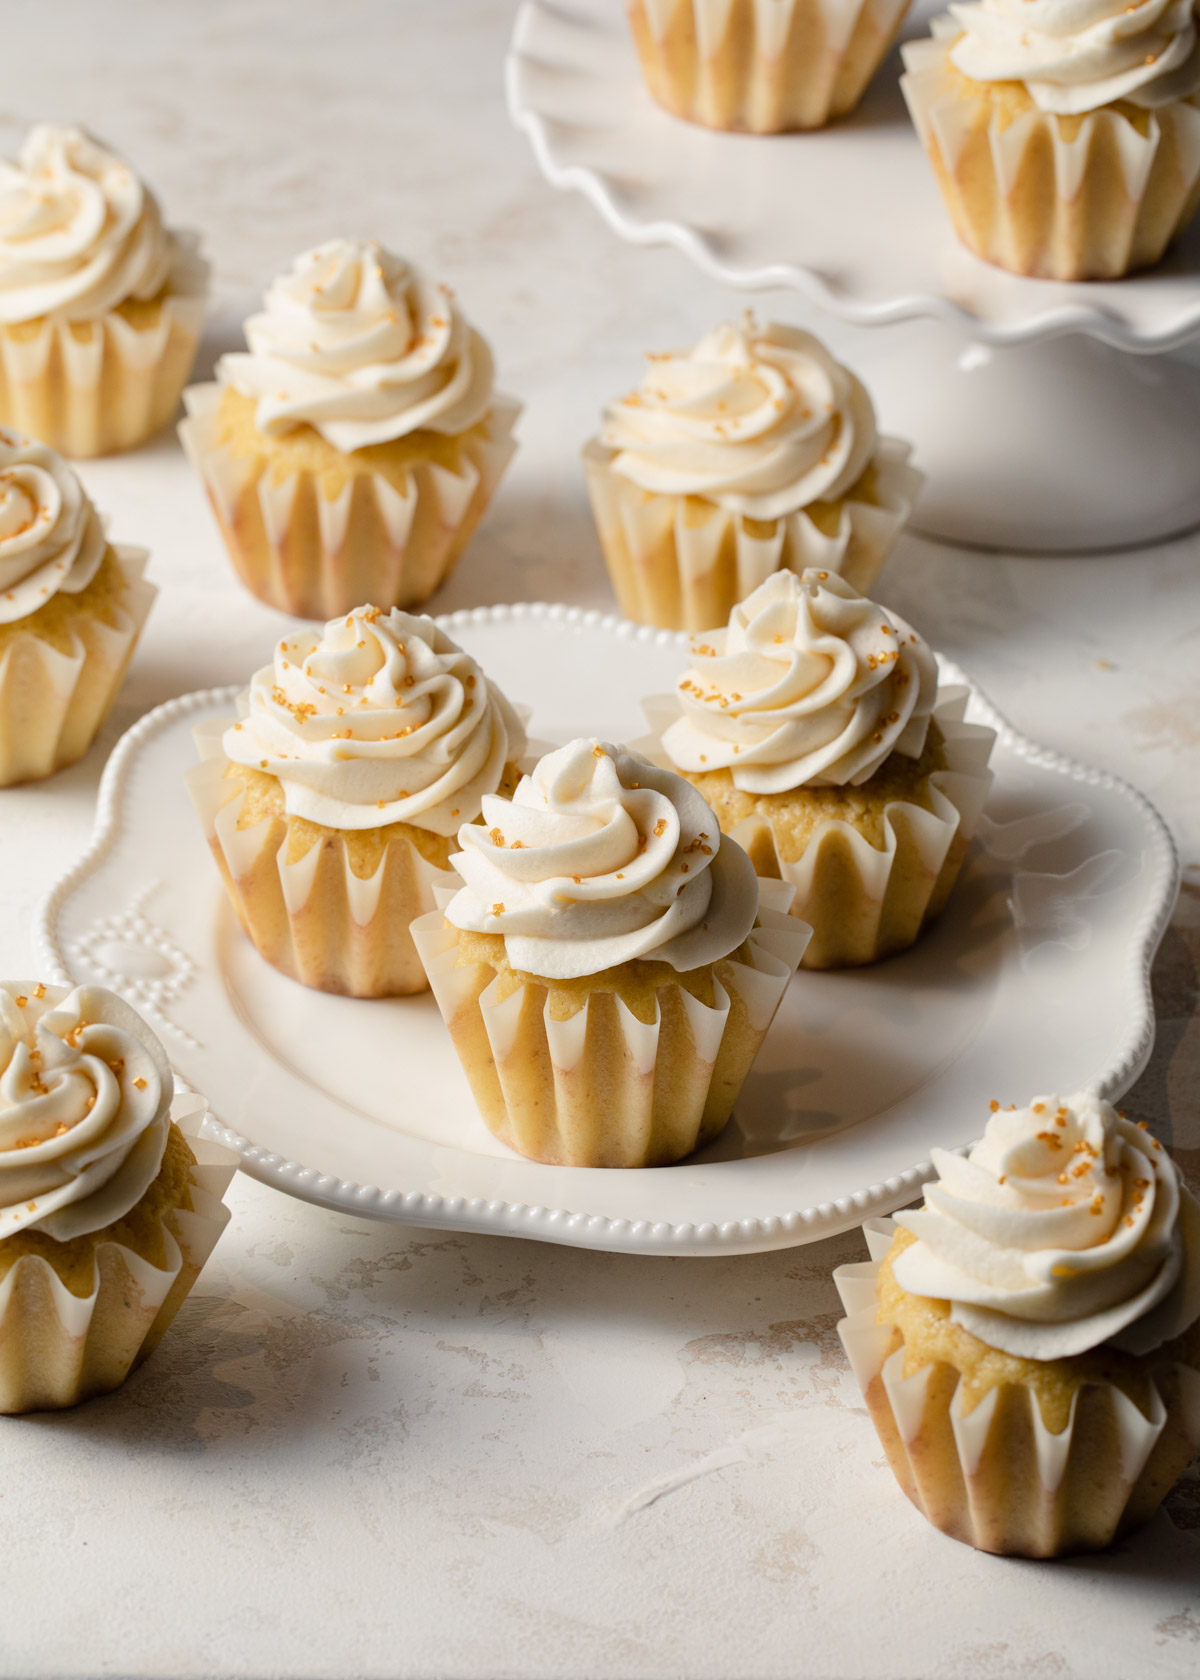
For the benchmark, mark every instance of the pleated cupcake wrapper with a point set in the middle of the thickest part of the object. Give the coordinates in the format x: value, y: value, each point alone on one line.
x: 316, y: 556
x: 678, y: 574
x: 1029, y: 200
x: 314, y: 918
x: 762, y: 65
x: 57, y: 1348
x: 52, y: 703
x: 97, y: 387
x: 603, y: 1089
x: 996, y: 1477
x: 864, y: 902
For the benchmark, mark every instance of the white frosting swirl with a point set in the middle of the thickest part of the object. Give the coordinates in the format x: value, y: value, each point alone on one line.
x: 379, y: 718
x: 810, y: 685
x: 355, y: 342
x: 79, y: 232
x: 51, y: 538
x: 85, y: 1094
x: 758, y: 419
x: 600, y: 858
x: 1077, y: 55
x: 1066, y: 1227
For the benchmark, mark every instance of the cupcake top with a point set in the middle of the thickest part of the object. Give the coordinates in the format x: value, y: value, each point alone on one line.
x: 811, y: 685
x: 1076, y: 55
x: 79, y: 231
x: 758, y: 419
x: 1067, y: 1226
x: 85, y: 1094
x: 600, y: 858
x: 378, y: 718
x: 51, y: 538
x: 358, y: 344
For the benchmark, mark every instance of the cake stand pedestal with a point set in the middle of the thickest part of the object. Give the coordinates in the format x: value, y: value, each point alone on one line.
x: 1047, y: 417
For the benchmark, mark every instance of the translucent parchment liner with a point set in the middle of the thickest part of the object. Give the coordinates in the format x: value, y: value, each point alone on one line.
x: 305, y: 553
x: 604, y: 1089
x: 314, y: 919
x: 762, y: 65
x: 681, y: 563
x: 1032, y: 201
x: 996, y: 1477
x: 864, y: 902
x: 57, y: 1348
x: 97, y: 387
x: 52, y: 702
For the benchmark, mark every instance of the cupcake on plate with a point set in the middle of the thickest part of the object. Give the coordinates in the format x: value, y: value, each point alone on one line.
x: 352, y: 449
x: 72, y: 606
x: 737, y: 64
x: 1028, y: 1343
x: 101, y: 306
x: 110, y: 1201
x: 1065, y: 136
x: 332, y: 803
x: 815, y: 728
x: 607, y: 972
x: 753, y: 451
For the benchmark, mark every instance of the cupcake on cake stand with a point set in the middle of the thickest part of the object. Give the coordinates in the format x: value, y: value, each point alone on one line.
x: 1048, y: 416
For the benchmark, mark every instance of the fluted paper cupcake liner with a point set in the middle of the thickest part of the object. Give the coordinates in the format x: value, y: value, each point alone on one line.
x: 53, y: 701
x: 602, y: 1088
x: 739, y: 64
x: 1029, y: 199
x: 57, y: 1348
x: 306, y: 553
x: 683, y: 563
x: 995, y: 1476
x: 97, y: 387
x: 314, y: 919
x: 865, y: 902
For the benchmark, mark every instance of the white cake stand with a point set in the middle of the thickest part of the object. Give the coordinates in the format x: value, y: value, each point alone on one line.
x: 1047, y: 416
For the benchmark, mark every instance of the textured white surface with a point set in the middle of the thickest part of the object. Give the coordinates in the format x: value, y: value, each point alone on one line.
x: 365, y: 1451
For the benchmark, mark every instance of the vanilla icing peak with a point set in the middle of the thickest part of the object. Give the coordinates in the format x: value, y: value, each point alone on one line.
x: 51, y: 538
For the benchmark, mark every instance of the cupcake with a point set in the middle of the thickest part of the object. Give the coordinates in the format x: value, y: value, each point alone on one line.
x: 1028, y: 1343
x: 72, y: 606
x: 815, y: 728
x: 737, y: 64
x: 331, y: 805
x: 351, y: 451
x: 110, y: 1201
x: 101, y: 306
x: 1065, y: 136
x: 752, y: 452
x: 607, y: 971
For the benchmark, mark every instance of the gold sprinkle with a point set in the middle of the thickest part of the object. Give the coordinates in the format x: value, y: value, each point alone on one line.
x: 22, y: 1000
x: 497, y: 909
x: 139, y: 1084
x: 39, y: 991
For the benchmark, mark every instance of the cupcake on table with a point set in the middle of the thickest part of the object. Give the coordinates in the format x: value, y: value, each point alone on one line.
x: 351, y: 450
x: 101, y: 305
x: 740, y: 64
x: 332, y: 802
x: 72, y: 606
x: 1065, y: 135
x: 110, y: 1201
x: 752, y: 451
x: 610, y: 966
x: 1028, y: 1343
x: 815, y: 727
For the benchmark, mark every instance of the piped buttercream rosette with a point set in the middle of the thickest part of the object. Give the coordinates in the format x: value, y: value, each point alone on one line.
x: 813, y: 686
x: 1069, y: 186
x: 752, y: 452
x: 350, y: 452
x: 599, y: 883
x: 87, y: 1101
x: 71, y: 609
x: 378, y: 726
x: 1088, y: 1243
x: 101, y: 305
